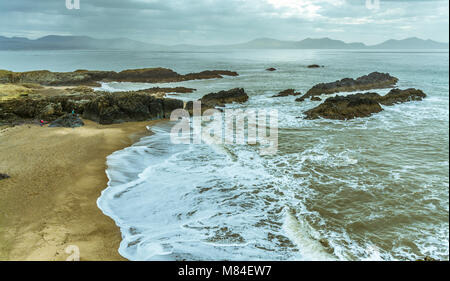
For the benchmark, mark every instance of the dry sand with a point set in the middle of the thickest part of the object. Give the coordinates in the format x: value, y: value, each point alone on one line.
x: 49, y: 203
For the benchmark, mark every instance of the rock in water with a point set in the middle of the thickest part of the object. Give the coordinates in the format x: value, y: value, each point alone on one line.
x: 361, y: 104
x: 374, y: 80
x: 313, y: 66
x: 400, y: 96
x: 344, y: 108
x: 68, y: 121
x: 285, y: 93
x: 223, y: 97
x: 4, y: 176
x: 271, y: 69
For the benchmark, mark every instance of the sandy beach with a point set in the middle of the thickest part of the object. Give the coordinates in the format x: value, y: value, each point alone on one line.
x: 49, y: 203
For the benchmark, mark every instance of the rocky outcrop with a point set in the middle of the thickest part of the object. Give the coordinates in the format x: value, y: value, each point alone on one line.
x: 343, y: 108
x: 212, y: 100
x: 102, y: 107
x: 286, y: 93
x: 68, y: 121
x: 400, y: 96
x: 361, y: 104
x: 4, y: 176
x: 223, y: 97
x: 374, y: 80
x: 47, y: 108
x: 155, y: 90
x: 92, y: 78
x: 121, y: 107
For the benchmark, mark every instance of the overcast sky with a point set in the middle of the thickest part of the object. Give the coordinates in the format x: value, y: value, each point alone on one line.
x: 210, y: 22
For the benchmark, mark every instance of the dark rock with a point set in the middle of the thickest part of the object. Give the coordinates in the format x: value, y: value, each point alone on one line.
x: 285, y: 93
x: 271, y: 69
x: 155, y: 90
x: 428, y: 259
x: 223, y: 97
x: 4, y: 176
x: 374, y: 80
x: 68, y: 121
x: 92, y: 78
x: 344, y: 108
x: 400, y: 96
x: 301, y: 99
x: 190, y: 107
x: 313, y: 66
x: 361, y: 104
x: 121, y: 107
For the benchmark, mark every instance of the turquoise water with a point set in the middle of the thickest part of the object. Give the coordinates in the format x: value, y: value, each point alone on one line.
x: 374, y: 188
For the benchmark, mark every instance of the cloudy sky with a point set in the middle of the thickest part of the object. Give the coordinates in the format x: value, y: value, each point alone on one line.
x: 228, y: 21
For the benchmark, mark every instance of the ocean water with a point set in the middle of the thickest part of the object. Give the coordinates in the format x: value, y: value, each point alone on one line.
x: 375, y: 188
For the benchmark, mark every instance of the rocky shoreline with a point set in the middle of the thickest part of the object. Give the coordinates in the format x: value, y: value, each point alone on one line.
x: 93, y: 78
x: 27, y: 98
x: 34, y: 102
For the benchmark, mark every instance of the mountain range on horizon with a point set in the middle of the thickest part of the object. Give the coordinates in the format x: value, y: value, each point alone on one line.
x: 57, y: 42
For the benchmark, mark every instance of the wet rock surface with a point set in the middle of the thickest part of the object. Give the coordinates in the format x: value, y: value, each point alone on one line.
x: 374, y: 80
x: 67, y: 121
x: 361, y: 104
x: 286, y: 93
x: 92, y: 78
x: 223, y: 97
x: 343, y: 108
x: 112, y: 108
x: 102, y: 107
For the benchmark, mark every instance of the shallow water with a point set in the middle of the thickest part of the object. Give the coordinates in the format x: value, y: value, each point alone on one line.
x: 365, y: 189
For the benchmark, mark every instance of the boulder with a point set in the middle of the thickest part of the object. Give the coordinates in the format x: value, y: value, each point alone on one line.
x: 4, y: 176
x: 313, y: 66
x: 286, y: 93
x: 316, y: 99
x: 374, y: 80
x: 51, y: 110
x: 271, y: 69
x: 68, y: 121
x: 223, y: 97
x: 400, y: 96
x: 344, y: 108
x: 361, y: 104
x: 121, y: 107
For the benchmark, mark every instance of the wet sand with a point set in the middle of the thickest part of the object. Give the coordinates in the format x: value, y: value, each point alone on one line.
x: 49, y: 203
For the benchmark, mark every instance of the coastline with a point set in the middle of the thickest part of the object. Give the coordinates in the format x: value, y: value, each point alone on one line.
x: 50, y: 201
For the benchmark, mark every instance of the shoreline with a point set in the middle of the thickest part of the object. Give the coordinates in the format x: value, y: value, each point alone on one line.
x: 50, y: 201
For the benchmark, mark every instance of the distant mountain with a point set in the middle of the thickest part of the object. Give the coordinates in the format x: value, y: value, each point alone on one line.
x: 56, y: 42
x: 309, y: 43
x: 327, y: 43
x: 411, y: 43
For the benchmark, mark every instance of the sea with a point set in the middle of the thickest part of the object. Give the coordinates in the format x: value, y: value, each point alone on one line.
x: 372, y: 188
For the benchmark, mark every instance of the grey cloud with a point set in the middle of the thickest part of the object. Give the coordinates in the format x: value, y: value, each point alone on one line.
x: 214, y: 21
